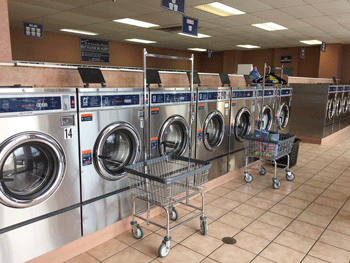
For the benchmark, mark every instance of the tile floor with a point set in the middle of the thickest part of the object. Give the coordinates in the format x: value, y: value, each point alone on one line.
x: 307, y: 220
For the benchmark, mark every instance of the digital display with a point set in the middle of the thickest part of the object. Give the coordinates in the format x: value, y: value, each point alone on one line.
x: 30, y: 104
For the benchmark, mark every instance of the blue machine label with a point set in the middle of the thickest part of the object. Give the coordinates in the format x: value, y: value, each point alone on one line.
x: 158, y: 98
x: 340, y: 88
x: 120, y: 100
x: 203, y: 96
x: 90, y: 101
x: 154, y: 143
x: 332, y: 89
x: 87, y: 157
x: 347, y: 88
x: 213, y: 95
x: 8, y: 105
x: 155, y: 111
x: 248, y: 94
x: 232, y: 127
x: 161, y: 98
x: 200, y: 106
x: 86, y: 117
x: 268, y: 93
x: 199, y: 134
x: 72, y: 102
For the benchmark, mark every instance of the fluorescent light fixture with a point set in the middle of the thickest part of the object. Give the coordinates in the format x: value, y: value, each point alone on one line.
x: 311, y: 42
x: 199, y: 35
x: 219, y: 9
x: 140, y: 41
x: 197, y: 49
x: 247, y: 46
x: 82, y: 32
x: 135, y: 22
x: 270, y: 26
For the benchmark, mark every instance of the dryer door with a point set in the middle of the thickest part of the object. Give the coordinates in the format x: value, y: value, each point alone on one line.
x: 243, y: 124
x: 337, y: 107
x: 213, y: 130
x: 32, y: 167
x: 118, y: 145
x: 174, y: 136
x: 283, y: 116
x: 344, y: 105
x: 266, y: 118
x: 331, y: 109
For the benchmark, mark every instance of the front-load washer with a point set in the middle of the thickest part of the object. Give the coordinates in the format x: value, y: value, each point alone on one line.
x: 39, y: 172
x: 213, y: 126
x: 338, y: 111
x: 346, y: 121
x: 344, y: 108
x: 169, y: 120
x: 265, y: 111
x: 241, y: 125
x: 111, y: 129
x: 283, y: 109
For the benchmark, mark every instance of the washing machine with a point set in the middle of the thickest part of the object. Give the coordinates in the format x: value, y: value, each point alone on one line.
x: 346, y: 121
x: 330, y: 110
x: 265, y: 113
x: 39, y: 172
x: 111, y: 135
x: 213, y: 126
x: 338, y: 105
x: 241, y: 124
x: 344, y: 108
x: 283, y: 109
x: 169, y: 120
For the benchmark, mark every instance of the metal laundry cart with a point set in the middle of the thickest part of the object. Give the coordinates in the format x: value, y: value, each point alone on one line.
x: 167, y: 180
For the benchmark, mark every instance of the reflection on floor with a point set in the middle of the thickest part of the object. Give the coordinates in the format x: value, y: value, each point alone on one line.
x: 307, y: 220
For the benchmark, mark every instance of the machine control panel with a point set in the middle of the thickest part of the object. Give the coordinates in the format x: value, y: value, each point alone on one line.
x: 285, y: 92
x: 170, y: 98
x: 120, y: 100
x: 340, y: 88
x: 214, y: 95
x: 332, y: 89
x: 347, y: 88
x: 238, y: 94
x: 28, y: 104
x: 249, y: 94
x: 90, y: 101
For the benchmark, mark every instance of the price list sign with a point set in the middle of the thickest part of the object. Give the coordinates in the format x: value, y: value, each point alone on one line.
x: 93, y: 50
x: 33, y: 30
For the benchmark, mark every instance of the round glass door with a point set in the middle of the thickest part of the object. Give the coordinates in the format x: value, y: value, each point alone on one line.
x: 346, y: 109
x: 266, y: 118
x: 338, y: 107
x: 243, y: 124
x: 283, y: 116
x: 344, y: 105
x: 331, y: 108
x: 173, y: 137
x: 117, y: 146
x: 213, y: 130
x: 32, y: 167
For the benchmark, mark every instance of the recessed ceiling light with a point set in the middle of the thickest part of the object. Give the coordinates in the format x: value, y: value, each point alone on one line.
x: 219, y: 9
x: 270, y: 26
x: 199, y: 35
x: 140, y: 41
x: 82, y: 32
x: 247, y: 46
x: 197, y: 49
x: 135, y: 22
x: 311, y: 42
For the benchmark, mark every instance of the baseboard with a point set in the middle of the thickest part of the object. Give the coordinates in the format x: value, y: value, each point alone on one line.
x: 323, y: 140
x: 88, y: 242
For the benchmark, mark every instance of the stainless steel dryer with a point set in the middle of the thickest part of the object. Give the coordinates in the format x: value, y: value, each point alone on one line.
x: 39, y: 172
x: 213, y: 126
x: 283, y: 110
x: 265, y: 113
x: 338, y: 111
x: 111, y: 122
x: 241, y: 124
x: 169, y: 122
x: 344, y: 109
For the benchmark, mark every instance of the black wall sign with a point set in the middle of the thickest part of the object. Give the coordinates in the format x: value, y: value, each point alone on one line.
x: 190, y: 26
x: 93, y: 50
x: 209, y: 53
x: 302, y: 52
x: 323, y: 47
x: 33, y: 30
x: 174, y: 5
x: 286, y: 59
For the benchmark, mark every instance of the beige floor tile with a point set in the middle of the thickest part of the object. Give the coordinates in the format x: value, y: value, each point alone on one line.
x: 270, y: 195
x: 179, y: 233
x: 314, y: 219
x: 278, y: 253
x: 305, y: 229
x: 340, y: 226
x: 310, y: 189
x: 232, y: 254
x: 238, y: 196
x: 263, y: 230
x: 225, y: 203
x: 107, y: 249
x: 343, y: 215
x: 207, y: 198
x: 202, y: 244
x: 208, y: 260
x: 249, y: 211
x: 219, y: 191
x: 158, y: 219
x: 322, y: 210
x: 194, y: 223
x: 260, y: 203
x: 316, y: 183
x: 336, y: 239
x: 231, y: 185
x: 346, y: 207
x: 294, y: 241
x: 150, y: 245
x: 310, y: 259
x: 180, y: 210
x: 286, y: 210
x: 323, y: 178
x: 259, y: 259
x: 182, y: 254
x: 329, y: 202
x: 341, y: 189
x: 128, y: 255
x: 83, y: 258
x: 251, y: 242
x: 248, y: 189
x: 275, y: 220
x: 294, y: 202
x: 221, y: 230
x: 235, y: 220
x: 128, y: 239
x: 330, y: 253
x: 214, y: 212
x: 303, y: 195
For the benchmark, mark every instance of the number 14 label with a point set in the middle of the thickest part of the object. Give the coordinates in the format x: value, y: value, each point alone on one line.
x: 68, y: 133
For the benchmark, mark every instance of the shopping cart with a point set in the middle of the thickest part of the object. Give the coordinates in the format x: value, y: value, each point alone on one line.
x: 269, y: 151
x: 164, y: 182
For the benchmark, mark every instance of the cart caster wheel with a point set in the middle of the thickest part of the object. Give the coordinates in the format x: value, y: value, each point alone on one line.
x: 137, y: 232
x: 173, y: 214
x: 163, y: 250
x: 290, y: 176
x: 262, y: 170
x: 204, y: 227
x: 276, y: 184
x: 248, y: 177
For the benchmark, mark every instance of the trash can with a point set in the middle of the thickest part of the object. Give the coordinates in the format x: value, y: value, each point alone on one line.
x: 293, y: 155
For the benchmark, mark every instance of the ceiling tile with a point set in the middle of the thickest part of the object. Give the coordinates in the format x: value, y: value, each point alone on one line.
x: 131, y: 6
x: 283, y: 3
x: 223, y: 22
x: 207, y: 25
x: 164, y: 18
x: 47, y: 4
x: 309, y: 31
x: 341, y: 19
x: 91, y: 13
x: 114, y: 10
x: 72, y: 19
x: 77, y: 2
x: 249, y: 19
x: 320, y: 21
x: 273, y: 15
x: 302, y: 11
x: 295, y: 23
x: 317, y: 1
x: 334, y: 8
x: 248, y: 6
x: 17, y: 9
x: 290, y: 33
x: 334, y: 29
x: 199, y: 14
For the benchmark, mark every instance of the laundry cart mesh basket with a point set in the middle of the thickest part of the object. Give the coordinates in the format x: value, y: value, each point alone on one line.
x: 167, y: 180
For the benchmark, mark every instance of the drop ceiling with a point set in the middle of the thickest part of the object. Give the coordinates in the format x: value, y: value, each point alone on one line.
x: 324, y: 20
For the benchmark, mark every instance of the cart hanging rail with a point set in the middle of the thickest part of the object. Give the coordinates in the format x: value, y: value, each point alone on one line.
x: 167, y: 180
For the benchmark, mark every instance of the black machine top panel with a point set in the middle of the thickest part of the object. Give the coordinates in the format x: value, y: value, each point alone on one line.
x: 152, y: 77
x: 196, y: 79
x: 91, y: 75
x: 225, y: 80
x: 25, y: 104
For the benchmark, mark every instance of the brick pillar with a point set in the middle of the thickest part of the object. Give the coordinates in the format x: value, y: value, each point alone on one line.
x: 5, y: 40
